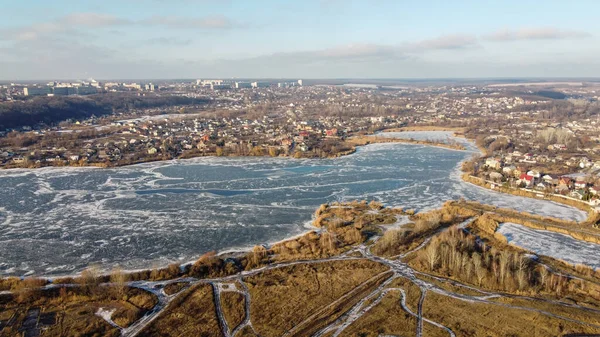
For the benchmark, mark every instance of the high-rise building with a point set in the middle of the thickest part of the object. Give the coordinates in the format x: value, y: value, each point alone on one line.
x: 36, y: 91
x: 86, y: 90
x: 242, y: 85
x: 208, y: 83
x: 215, y: 86
x: 300, y: 82
x: 261, y: 84
x: 64, y: 91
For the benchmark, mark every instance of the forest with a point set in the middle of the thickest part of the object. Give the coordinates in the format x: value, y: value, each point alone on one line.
x: 52, y: 110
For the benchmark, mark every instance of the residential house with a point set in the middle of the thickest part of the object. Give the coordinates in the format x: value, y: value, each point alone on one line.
x: 577, y: 194
x: 580, y: 183
x: 331, y: 132
x: 534, y: 173
x: 493, y: 163
x: 508, y: 170
x: 495, y: 176
x: 565, y: 181
x: 526, y: 180
x: 548, y: 179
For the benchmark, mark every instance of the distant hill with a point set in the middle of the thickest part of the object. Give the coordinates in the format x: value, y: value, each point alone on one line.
x: 52, y: 110
x: 551, y: 94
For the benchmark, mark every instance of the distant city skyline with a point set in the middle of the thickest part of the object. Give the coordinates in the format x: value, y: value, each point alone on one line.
x: 311, y: 39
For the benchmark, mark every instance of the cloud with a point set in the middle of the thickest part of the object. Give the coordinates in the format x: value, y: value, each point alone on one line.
x: 67, y: 24
x: 366, y: 51
x: 541, y: 33
x: 71, y: 24
x: 207, y: 22
x: 167, y: 41
x: 444, y: 42
x: 359, y: 51
x: 92, y: 20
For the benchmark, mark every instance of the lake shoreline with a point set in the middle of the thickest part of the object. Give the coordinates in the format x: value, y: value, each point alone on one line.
x: 244, y: 250
x: 353, y: 142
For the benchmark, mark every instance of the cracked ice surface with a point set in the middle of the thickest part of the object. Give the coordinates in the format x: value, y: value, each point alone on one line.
x: 57, y: 221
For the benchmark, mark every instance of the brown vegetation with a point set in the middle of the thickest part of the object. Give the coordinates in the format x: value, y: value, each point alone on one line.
x: 385, y: 318
x: 175, y: 287
x: 193, y: 313
x: 330, y: 313
x: 74, y: 309
x: 520, y: 192
x: 233, y: 306
x: 346, y: 224
x: 578, y: 230
x: 400, y: 240
x: 479, y: 319
x: 460, y: 256
x: 279, y: 296
x: 15, y: 283
x: 364, y: 140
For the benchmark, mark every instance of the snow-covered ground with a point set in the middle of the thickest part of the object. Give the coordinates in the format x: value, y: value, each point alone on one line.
x: 106, y: 314
x: 556, y: 245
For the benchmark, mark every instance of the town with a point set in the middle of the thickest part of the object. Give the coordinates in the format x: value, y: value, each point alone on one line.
x: 541, y: 137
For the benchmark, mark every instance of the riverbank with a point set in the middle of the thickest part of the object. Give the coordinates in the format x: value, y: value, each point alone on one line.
x: 583, y: 231
x: 264, y: 192
x: 341, y: 148
x: 365, y: 140
x: 456, y: 130
x: 582, y: 205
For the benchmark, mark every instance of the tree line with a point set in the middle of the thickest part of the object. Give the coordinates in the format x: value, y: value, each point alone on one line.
x: 52, y: 110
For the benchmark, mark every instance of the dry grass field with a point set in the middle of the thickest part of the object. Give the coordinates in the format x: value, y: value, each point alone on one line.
x: 233, y: 306
x: 283, y: 298
x: 481, y: 319
x: 72, y: 311
x: 193, y: 313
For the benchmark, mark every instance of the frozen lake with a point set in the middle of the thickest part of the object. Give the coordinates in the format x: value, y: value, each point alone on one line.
x: 60, y: 220
x: 556, y: 245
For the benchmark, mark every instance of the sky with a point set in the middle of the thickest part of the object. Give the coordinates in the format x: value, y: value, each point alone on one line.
x: 150, y: 39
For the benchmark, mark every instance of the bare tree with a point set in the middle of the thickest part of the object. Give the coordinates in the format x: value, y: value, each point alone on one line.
x: 522, y: 278
x: 563, y: 136
x: 504, y: 264
x: 543, y: 275
x: 432, y: 256
x: 118, y: 279
x: 480, y: 270
x: 547, y: 135
x: 258, y: 254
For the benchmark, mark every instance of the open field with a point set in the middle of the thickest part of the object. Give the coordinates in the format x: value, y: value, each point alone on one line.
x: 322, y: 283
x: 482, y: 319
x: 73, y: 311
x: 233, y: 306
x: 191, y: 314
